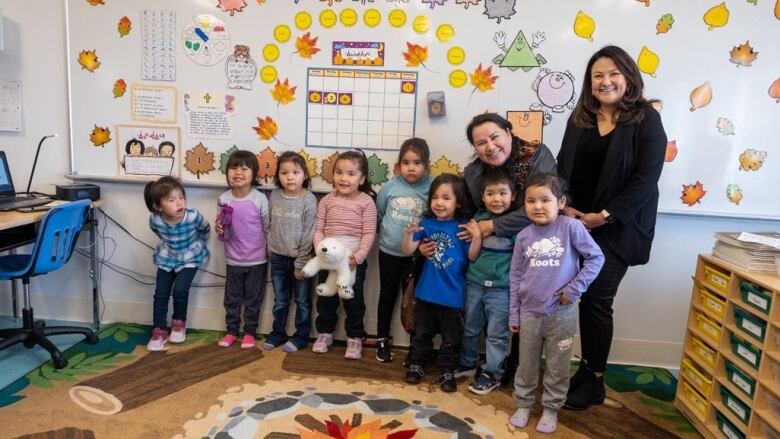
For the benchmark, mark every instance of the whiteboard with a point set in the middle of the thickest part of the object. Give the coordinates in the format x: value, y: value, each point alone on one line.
x: 216, y: 99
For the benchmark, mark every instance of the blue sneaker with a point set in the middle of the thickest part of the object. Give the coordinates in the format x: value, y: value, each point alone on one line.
x: 484, y: 384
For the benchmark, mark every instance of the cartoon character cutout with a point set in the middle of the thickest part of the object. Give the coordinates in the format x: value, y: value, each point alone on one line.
x: 240, y: 68
x: 520, y: 54
x: 555, y: 91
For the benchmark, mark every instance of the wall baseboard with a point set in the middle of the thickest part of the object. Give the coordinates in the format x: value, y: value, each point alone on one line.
x: 624, y: 351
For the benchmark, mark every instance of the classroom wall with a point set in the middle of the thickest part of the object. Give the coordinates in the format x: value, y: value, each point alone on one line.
x: 650, y: 311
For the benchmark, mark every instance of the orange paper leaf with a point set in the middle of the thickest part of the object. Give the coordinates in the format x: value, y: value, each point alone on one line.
x: 306, y: 46
x: 328, y: 166
x: 120, y: 87
x: 199, y: 160
x: 267, y: 161
x: 743, y: 55
x: 266, y: 128
x: 692, y: 193
x: 100, y: 136
x: 483, y: 79
x: 415, y: 54
x: 124, y: 26
x: 283, y: 93
x: 88, y: 60
x: 96, y: 2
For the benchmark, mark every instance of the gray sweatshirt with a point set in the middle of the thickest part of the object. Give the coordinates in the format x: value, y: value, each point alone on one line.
x: 292, y: 225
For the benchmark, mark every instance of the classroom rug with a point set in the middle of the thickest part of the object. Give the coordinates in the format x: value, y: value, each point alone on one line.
x: 198, y: 390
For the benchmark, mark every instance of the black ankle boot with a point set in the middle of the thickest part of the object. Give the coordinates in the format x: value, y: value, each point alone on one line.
x: 580, y: 376
x: 590, y: 392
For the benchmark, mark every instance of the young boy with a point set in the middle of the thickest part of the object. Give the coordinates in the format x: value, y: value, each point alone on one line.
x: 487, y: 292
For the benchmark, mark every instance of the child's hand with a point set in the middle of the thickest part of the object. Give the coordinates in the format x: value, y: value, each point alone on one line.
x: 218, y: 228
x: 565, y: 300
x: 473, y: 228
x: 352, y: 263
x: 298, y: 274
x: 412, y: 228
x: 514, y: 329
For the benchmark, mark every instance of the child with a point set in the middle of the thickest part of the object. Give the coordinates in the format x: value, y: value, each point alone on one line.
x: 293, y: 212
x: 242, y: 224
x: 545, y: 281
x: 184, y: 233
x: 400, y: 201
x: 440, y: 289
x: 487, y: 290
x: 349, y: 214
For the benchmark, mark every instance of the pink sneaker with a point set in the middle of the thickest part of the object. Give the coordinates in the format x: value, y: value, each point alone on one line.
x: 178, y: 331
x: 157, y: 342
x: 354, y: 349
x: 248, y: 341
x: 227, y: 340
x: 322, y: 343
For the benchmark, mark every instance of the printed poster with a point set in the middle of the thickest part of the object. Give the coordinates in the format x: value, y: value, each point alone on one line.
x: 148, y: 150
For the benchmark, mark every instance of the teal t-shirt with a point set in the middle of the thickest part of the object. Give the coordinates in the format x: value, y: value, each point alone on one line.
x: 491, y: 269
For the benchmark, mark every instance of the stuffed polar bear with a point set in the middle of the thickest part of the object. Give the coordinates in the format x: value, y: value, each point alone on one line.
x: 332, y: 255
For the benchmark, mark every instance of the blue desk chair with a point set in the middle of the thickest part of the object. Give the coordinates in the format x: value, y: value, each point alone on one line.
x: 54, y: 244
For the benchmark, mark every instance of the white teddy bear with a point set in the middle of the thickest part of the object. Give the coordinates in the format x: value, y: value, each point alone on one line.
x: 333, y: 256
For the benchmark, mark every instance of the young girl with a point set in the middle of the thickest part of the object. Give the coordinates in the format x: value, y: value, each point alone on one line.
x: 349, y: 214
x: 293, y: 212
x: 184, y: 233
x: 242, y: 224
x: 545, y: 281
x: 400, y: 201
x: 442, y: 285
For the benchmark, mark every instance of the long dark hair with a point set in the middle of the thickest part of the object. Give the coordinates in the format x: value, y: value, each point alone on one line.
x: 293, y: 157
x: 155, y: 191
x: 359, y: 157
x: 465, y: 210
x: 630, y: 106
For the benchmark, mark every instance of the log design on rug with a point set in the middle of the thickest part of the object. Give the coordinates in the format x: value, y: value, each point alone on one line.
x: 67, y: 432
x: 157, y: 375
x: 323, y: 409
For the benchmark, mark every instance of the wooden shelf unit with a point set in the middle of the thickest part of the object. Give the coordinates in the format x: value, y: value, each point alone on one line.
x: 731, y: 347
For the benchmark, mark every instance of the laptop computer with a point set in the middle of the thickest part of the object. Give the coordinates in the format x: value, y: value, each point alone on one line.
x: 9, y: 200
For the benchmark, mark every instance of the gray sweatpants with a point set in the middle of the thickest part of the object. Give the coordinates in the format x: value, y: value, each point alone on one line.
x: 555, y: 333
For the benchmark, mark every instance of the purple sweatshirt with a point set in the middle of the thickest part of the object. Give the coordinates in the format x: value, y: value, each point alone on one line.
x: 546, y: 261
x: 246, y: 245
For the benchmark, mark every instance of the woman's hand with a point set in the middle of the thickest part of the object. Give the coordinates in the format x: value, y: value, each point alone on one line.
x: 485, y: 229
x: 471, y: 228
x: 218, y: 228
x: 593, y: 220
x: 572, y: 212
x: 427, y: 248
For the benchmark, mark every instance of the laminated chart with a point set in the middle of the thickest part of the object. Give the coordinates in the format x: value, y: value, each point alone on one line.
x: 369, y: 109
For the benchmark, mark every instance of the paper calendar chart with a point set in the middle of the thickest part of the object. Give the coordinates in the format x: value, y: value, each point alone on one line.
x: 368, y: 109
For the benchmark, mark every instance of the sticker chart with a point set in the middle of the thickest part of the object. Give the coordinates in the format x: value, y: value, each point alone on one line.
x: 369, y: 109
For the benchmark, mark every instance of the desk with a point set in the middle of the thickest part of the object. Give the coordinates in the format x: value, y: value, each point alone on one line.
x: 19, y: 229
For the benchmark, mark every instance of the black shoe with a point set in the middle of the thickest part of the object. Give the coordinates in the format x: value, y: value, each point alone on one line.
x: 465, y: 371
x: 384, y: 350
x: 447, y: 382
x: 415, y: 374
x: 582, y: 374
x: 590, y: 392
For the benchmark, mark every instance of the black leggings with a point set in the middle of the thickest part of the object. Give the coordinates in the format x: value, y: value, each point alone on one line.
x: 393, y: 275
x: 596, y: 325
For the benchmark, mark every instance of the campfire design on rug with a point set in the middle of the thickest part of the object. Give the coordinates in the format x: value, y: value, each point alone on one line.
x: 322, y: 408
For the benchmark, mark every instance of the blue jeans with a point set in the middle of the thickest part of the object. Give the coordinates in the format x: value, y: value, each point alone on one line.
x: 178, y: 284
x: 285, y: 287
x: 491, y: 305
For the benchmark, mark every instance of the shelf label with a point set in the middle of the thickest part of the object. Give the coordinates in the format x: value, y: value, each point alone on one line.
x: 742, y: 384
x: 752, y: 328
x: 739, y: 411
x: 729, y: 433
x: 757, y: 300
x: 749, y: 356
x: 715, y: 306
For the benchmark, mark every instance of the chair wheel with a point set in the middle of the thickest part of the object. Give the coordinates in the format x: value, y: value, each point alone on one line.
x: 92, y: 338
x: 60, y: 362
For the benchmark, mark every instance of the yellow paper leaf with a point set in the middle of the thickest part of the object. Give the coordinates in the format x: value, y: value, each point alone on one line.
x: 88, y: 60
x: 306, y: 46
x: 415, y: 54
x: 266, y: 128
x: 283, y: 93
x: 483, y: 79
x: 100, y: 136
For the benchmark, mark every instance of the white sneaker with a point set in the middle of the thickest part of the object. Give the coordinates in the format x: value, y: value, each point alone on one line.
x: 178, y: 331
x: 354, y: 349
x: 322, y: 343
x: 157, y: 342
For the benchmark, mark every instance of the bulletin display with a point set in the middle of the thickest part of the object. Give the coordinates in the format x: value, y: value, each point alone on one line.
x: 174, y: 87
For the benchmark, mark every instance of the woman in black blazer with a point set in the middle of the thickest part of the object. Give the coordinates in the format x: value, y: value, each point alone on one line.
x: 612, y: 154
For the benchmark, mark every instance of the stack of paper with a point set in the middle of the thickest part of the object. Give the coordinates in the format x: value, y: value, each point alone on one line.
x: 759, y: 251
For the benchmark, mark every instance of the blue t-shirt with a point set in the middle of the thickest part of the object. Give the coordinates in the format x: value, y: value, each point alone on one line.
x: 443, y: 276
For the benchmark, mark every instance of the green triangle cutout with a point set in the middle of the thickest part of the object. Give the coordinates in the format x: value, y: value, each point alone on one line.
x: 519, y: 54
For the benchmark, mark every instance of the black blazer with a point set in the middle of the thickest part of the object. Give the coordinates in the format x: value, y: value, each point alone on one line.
x: 628, y: 185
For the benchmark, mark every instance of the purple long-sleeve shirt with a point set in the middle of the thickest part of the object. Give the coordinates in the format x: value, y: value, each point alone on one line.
x: 546, y: 261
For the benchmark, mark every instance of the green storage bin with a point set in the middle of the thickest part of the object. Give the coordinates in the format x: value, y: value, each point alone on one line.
x: 740, y: 380
x: 749, y: 324
x: 727, y: 428
x: 735, y: 406
x: 745, y: 351
x: 755, y: 297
